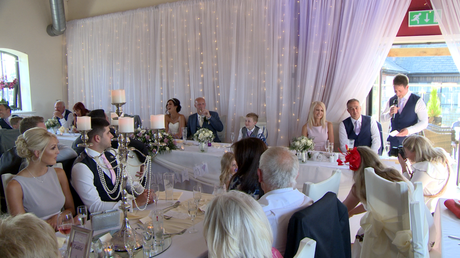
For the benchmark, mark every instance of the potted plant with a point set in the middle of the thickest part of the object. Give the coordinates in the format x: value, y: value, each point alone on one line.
x: 434, y: 108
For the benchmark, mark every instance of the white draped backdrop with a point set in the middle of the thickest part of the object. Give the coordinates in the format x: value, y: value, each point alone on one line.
x: 448, y: 15
x: 271, y: 57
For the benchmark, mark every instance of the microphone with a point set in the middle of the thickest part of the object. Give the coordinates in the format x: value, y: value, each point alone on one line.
x: 395, y: 103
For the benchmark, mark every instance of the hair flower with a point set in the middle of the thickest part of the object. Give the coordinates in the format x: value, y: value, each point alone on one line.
x: 353, y: 158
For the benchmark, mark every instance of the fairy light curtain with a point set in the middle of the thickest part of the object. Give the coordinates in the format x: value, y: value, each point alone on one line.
x: 271, y: 57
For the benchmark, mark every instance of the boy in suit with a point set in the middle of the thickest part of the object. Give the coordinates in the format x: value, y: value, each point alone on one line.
x: 251, y: 129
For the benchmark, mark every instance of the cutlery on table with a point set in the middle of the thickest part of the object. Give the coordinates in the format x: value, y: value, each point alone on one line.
x: 175, y: 234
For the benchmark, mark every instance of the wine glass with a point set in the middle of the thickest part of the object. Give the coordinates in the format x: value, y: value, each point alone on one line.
x: 130, y: 241
x: 192, y: 211
x: 197, y: 193
x: 65, y: 222
x: 82, y: 213
x: 64, y: 225
x: 232, y: 136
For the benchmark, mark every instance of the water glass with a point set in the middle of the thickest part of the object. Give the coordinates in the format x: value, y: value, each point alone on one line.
x: 82, y: 213
x: 158, y: 233
x: 351, y: 144
x: 155, y: 188
x: 197, y: 193
x: 168, y: 180
x: 147, y: 241
x: 184, y: 134
x: 387, y: 148
x: 192, y: 212
x: 331, y: 147
x: 232, y: 136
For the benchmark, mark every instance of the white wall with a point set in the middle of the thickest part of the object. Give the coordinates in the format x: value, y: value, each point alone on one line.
x: 23, y: 28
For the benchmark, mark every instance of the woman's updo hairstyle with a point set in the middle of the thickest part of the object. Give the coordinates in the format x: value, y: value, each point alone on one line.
x: 34, y: 139
x: 176, y: 103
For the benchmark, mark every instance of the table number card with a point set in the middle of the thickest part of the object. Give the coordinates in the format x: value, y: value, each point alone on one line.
x: 79, y: 242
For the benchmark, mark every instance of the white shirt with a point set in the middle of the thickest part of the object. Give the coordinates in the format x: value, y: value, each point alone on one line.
x: 420, y: 110
x: 375, y: 134
x: 83, y: 183
x: 66, y: 123
x: 279, y: 205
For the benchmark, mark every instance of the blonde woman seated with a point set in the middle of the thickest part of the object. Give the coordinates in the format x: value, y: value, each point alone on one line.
x: 39, y: 188
x: 429, y: 165
x: 26, y: 236
x: 317, y: 127
x: 228, y: 168
x: 368, y: 158
x: 174, y: 122
x: 235, y: 226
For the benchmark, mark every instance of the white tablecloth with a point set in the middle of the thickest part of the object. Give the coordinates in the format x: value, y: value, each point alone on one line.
x: 447, y: 224
x: 67, y: 138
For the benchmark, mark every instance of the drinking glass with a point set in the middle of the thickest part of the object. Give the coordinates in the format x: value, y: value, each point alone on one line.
x: 129, y: 239
x: 351, y: 144
x: 192, y: 211
x: 331, y: 147
x: 82, y: 213
x: 65, y: 222
x: 387, y: 148
x: 184, y: 134
x: 147, y: 238
x: 64, y: 225
x: 157, y: 222
x: 326, y: 146
x: 155, y: 188
x: 168, y: 180
x: 232, y: 136
x: 197, y: 193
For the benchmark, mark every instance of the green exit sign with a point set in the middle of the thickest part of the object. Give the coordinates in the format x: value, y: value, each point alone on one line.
x: 422, y: 18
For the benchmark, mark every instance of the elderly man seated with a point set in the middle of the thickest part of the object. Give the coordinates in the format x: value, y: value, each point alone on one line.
x: 278, y: 170
x: 63, y: 115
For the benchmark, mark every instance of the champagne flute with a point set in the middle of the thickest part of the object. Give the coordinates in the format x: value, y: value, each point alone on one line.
x: 156, y: 191
x: 192, y: 211
x: 197, y: 193
x: 184, y: 134
x: 82, y: 213
x: 129, y: 241
x: 232, y: 136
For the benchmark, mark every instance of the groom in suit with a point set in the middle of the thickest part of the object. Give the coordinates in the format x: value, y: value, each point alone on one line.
x: 204, y: 118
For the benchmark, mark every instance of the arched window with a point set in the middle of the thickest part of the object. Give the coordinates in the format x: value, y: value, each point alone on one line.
x: 9, y: 80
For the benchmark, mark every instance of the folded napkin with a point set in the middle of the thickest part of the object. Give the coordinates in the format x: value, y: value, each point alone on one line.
x: 176, y: 195
x: 453, y: 207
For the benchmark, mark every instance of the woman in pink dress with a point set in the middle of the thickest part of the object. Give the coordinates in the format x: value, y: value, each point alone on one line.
x: 317, y: 127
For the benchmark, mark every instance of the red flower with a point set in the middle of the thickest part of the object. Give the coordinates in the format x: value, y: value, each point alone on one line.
x: 353, y: 158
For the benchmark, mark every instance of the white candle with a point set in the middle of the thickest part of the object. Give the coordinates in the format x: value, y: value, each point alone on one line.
x: 157, y: 121
x: 126, y: 124
x: 113, y: 121
x: 118, y: 96
x: 83, y: 123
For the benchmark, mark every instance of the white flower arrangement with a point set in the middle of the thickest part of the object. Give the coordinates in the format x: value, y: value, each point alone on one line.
x: 302, y: 143
x: 203, y: 135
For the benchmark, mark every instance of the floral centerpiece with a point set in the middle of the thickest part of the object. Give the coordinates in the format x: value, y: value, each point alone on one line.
x: 302, y: 144
x: 52, y: 123
x: 147, y: 136
x: 203, y: 136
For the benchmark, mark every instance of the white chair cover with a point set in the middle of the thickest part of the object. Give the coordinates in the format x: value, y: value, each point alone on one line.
x: 318, y: 190
x: 395, y: 224
x: 6, y: 178
x: 306, y: 249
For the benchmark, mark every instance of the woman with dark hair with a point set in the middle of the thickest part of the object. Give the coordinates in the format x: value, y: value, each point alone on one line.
x: 247, y: 155
x: 79, y: 109
x: 174, y: 122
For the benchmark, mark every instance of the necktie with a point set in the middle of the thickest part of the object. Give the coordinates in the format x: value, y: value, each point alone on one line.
x: 402, y: 102
x: 249, y: 133
x: 201, y: 120
x: 357, y: 127
x: 107, y: 163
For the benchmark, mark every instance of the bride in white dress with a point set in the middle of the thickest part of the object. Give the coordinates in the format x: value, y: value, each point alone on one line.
x: 174, y: 122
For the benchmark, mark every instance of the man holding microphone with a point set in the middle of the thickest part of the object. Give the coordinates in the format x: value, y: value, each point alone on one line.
x: 407, y: 112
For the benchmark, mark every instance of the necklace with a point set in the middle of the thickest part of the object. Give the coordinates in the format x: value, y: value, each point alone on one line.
x: 41, y: 181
